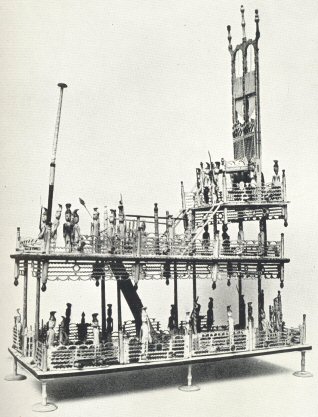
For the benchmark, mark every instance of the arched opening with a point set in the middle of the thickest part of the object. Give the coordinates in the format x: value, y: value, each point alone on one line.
x: 239, y: 64
x: 250, y: 58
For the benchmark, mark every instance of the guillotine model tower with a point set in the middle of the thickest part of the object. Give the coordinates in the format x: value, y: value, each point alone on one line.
x: 227, y: 194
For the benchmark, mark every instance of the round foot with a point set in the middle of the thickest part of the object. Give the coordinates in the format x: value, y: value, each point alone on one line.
x: 39, y: 407
x: 15, y: 377
x: 303, y: 374
x: 188, y: 388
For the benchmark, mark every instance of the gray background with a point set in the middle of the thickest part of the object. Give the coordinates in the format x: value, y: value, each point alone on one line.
x: 149, y: 94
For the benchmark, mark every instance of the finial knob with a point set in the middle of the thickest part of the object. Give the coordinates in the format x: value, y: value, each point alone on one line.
x: 256, y: 16
x: 243, y: 22
x: 229, y: 37
x: 62, y: 85
x: 257, y: 24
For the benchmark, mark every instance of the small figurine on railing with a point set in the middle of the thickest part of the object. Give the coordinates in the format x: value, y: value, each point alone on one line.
x: 264, y: 325
x: 95, y: 326
x: 145, y: 334
x: 242, y: 312
x: 195, y: 317
x: 210, y: 315
x: 250, y: 318
x: 56, y: 223
x: 43, y: 235
x: 18, y: 327
x: 95, y: 229
x: 252, y: 175
x: 225, y: 239
x: 109, y: 321
x: 172, y: 323
x: 51, y: 333
x: 240, y: 238
x: 261, y: 239
x: 231, y: 327
x: 63, y: 337
x: 76, y: 231
x: 82, y: 329
x: 276, y: 182
x: 187, y: 323
x: 68, y: 318
x: 216, y: 172
x: 68, y: 228
x: 206, y: 238
x: 121, y: 219
x: 277, y: 314
x: 206, y: 183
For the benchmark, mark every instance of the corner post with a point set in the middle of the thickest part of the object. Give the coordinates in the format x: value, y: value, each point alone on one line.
x: 44, y: 405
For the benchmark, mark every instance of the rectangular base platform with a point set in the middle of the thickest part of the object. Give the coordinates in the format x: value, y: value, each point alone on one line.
x: 40, y: 375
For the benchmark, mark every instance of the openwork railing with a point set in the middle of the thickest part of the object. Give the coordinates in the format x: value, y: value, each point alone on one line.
x: 250, y: 248
x: 220, y: 341
x: 264, y: 194
x: 17, y: 339
x: 125, y: 347
x: 178, y: 245
x: 286, y: 337
x: 236, y: 194
x: 78, y: 356
x: 40, y: 357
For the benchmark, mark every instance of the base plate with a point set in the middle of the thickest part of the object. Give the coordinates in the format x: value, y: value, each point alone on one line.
x: 39, y: 407
x: 188, y: 388
x: 303, y: 374
x: 15, y: 377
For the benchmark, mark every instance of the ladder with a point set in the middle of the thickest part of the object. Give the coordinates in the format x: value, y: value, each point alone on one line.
x: 204, y: 221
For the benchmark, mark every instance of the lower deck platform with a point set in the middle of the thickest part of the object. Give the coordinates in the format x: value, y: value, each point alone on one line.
x: 65, y: 373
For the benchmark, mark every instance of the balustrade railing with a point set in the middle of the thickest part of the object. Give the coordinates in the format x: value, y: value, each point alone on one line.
x: 125, y: 347
x: 178, y: 245
x: 236, y: 194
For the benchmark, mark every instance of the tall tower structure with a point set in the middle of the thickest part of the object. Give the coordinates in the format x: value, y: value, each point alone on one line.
x: 245, y: 96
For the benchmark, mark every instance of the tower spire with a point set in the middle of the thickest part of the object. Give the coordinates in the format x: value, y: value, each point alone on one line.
x: 229, y: 37
x: 257, y: 24
x: 243, y: 23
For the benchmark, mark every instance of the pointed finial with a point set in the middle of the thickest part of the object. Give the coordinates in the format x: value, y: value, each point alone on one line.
x: 243, y: 22
x: 229, y: 37
x: 257, y: 24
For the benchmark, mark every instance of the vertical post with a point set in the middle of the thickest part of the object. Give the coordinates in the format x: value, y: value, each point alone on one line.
x: 303, y: 339
x: 175, y: 288
x: 44, y: 394
x: 242, y: 320
x: 44, y: 405
x: 138, y: 248
x: 303, y: 373
x: 17, y: 246
x: 156, y: 221
x: 259, y: 292
x: 194, y: 284
x: 37, y: 303
x: 15, y: 376
x: 189, y: 386
x: 103, y: 306
x: 183, y: 197
x: 120, y: 325
x: 282, y: 245
x: 25, y: 296
x: 283, y: 185
x: 224, y: 188
x: 215, y: 225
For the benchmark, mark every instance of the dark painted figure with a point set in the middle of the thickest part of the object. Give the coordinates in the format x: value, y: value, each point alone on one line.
x: 210, y: 315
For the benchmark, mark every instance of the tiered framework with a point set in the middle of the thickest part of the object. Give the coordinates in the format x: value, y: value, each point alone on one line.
x: 195, y: 244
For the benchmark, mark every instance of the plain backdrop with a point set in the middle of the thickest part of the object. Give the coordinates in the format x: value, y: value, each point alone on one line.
x: 148, y: 96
